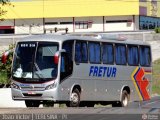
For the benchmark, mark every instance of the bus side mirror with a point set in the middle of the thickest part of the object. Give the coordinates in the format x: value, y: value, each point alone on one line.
x: 4, y: 57
x: 56, y: 56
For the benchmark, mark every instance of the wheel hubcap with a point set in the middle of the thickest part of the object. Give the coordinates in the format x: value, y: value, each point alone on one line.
x: 125, y: 101
x: 74, y: 98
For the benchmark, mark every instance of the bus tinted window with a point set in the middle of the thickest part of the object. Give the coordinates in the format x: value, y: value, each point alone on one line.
x: 108, y: 53
x: 94, y: 52
x: 68, y: 46
x: 145, y: 56
x: 120, y: 54
x: 81, y: 54
x: 133, y: 56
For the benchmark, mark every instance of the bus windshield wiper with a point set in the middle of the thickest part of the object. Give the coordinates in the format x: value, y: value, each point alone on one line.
x: 39, y: 74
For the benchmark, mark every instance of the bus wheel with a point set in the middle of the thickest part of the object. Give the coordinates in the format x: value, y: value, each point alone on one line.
x: 124, y: 99
x: 75, y: 99
x: 32, y: 103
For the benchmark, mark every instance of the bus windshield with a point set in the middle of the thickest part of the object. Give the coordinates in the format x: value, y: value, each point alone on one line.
x: 33, y: 61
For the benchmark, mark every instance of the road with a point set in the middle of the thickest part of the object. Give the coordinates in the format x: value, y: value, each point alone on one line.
x: 135, y: 111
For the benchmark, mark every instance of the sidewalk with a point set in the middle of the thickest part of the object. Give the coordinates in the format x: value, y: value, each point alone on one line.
x: 6, y: 99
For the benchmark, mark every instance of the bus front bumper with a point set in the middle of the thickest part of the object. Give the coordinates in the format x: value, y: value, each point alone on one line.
x: 34, y: 95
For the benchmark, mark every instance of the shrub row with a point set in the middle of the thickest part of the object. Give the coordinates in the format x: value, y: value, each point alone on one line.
x: 5, y: 69
x: 157, y: 30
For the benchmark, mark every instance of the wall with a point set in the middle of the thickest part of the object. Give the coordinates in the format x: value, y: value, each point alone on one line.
x: 119, y: 23
x: 95, y: 24
x: 7, y: 23
x: 82, y: 24
x: 70, y: 8
x: 52, y: 23
x: 152, y: 6
x: 28, y: 26
x: 158, y: 9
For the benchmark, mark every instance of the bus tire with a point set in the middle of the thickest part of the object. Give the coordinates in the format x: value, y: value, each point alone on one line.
x: 124, y: 99
x: 75, y: 99
x: 32, y: 103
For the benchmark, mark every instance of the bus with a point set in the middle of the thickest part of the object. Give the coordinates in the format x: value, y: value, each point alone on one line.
x: 80, y: 70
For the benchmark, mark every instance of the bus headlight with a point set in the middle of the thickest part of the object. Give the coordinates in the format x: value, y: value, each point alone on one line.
x: 51, y: 86
x: 13, y: 85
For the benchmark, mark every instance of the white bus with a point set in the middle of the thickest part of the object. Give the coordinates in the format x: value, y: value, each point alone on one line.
x: 81, y: 70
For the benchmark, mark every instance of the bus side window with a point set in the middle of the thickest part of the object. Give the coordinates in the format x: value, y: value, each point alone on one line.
x: 81, y: 52
x: 66, y: 66
x: 68, y: 46
x: 107, y: 53
x: 145, y: 56
x: 121, y: 58
x: 133, y: 55
x: 67, y: 60
x: 94, y: 52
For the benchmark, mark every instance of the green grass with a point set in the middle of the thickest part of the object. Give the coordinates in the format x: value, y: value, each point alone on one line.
x: 156, y: 77
x: 3, y: 77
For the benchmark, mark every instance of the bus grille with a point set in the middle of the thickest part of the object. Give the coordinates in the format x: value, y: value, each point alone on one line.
x: 33, y: 88
x: 32, y: 95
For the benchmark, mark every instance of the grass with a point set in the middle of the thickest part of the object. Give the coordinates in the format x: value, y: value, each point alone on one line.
x: 3, y: 77
x: 156, y: 77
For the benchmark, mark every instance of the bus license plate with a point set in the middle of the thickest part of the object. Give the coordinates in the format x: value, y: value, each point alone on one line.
x: 31, y: 93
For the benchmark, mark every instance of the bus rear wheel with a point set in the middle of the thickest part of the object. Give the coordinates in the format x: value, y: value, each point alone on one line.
x: 32, y: 103
x: 75, y: 99
x: 125, y: 99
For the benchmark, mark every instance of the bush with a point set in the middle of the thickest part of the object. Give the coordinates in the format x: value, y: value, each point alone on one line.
x: 3, y: 77
x: 5, y: 69
x: 157, y: 30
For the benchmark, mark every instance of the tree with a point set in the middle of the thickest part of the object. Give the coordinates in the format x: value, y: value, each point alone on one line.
x: 2, y: 4
x: 6, y: 67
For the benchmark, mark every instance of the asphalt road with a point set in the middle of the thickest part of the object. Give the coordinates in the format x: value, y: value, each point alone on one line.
x: 149, y: 110
x: 78, y: 113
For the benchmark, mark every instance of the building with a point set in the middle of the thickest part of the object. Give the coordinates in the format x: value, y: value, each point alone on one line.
x: 44, y: 16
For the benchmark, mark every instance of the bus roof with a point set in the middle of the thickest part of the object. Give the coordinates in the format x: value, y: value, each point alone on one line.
x: 66, y: 37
